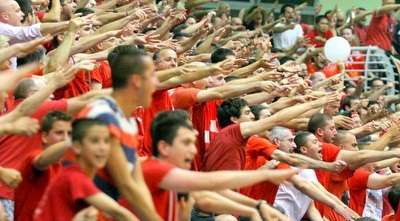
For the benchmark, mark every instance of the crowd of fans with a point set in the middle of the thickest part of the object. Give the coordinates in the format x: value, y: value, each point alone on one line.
x: 142, y: 110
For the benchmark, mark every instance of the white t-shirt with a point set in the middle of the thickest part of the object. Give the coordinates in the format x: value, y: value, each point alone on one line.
x: 287, y: 38
x: 294, y: 202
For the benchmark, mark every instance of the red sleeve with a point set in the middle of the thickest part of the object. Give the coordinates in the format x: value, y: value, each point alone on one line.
x: 342, y: 176
x: 184, y: 98
x: 40, y: 15
x: 46, y: 107
x: 81, y: 186
x: 359, y: 180
x: 329, y: 152
x: 154, y: 172
x: 257, y: 146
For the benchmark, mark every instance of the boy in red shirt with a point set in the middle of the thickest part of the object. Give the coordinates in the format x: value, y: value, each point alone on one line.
x: 73, y: 190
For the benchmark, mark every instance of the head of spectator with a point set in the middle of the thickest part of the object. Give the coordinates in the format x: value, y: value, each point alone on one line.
x: 332, y: 109
x: 165, y: 59
x: 321, y: 61
x: 190, y: 20
x: 27, y: 87
x: 133, y: 73
x: 346, y: 140
x: 261, y: 112
x: 394, y: 196
x: 91, y: 143
x: 182, y: 36
x: 317, y: 77
x: 348, y: 34
x: 233, y: 111
x: 217, y: 56
x: 67, y: 9
x: 355, y: 117
x: 174, y: 138
x: 287, y: 12
x: 36, y: 56
x: 308, y: 145
x: 297, y: 17
x: 283, y: 138
x: 257, y: 20
x: 340, y: 18
x: 56, y: 127
x: 376, y: 84
x: 201, y: 83
x: 26, y: 8
x: 223, y: 10
x: 10, y: 13
x: 321, y: 24
x: 132, y: 28
x: 323, y: 127
x: 363, y: 20
x: 349, y: 89
x: 236, y: 21
x: 105, y: 44
x: 85, y: 30
x: 374, y: 107
x: 388, y: 2
x: 349, y: 102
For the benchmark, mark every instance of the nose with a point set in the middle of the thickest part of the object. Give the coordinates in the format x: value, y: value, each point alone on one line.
x: 65, y: 136
x: 173, y: 63
x: 193, y: 149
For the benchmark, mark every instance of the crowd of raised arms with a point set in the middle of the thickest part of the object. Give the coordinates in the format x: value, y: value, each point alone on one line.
x: 162, y: 110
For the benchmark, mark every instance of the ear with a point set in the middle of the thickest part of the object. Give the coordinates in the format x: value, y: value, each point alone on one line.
x: 319, y: 132
x: 234, y: 119
x: 303, y: 149
x: 99, y: 46
x: 341, y: 146
x: 135, y: 81
x: 77, y: 147
x: 44, y: 137
x: 163, y: 148
x: 4, y: 16
x: 60, y: 38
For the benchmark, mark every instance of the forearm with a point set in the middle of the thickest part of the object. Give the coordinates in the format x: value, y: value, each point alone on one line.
x: 199, y: 73
x: 192, y: 4
x: 313, y: 213
x: 110, y: 17
x: 193, y: 28
x: 381, y: 143
x: 314, y: 193
x: 375, y: 95
x: 229, y: 91
x: 107, y: 5
x: 363, y: 157
x: 237, y: 197
x: 281, y: 29
x: 51, y: 155
x: 82, y: 3
x: 259, y: 98
x: 53, y: 15
x: 384, y: 163
x: 297, y: 124
x: 281, y: 104
x: 53, y: 28
x: 267, y: 27
x: 387, y: 9
x: 86, y: 43
x: 206, y: 46
x: 61, y: 55
x: 245, y: 71
x: 213, y: 202
x: 188, y: 44
x: 115, y: 25
x: 298, y: 160
x: 163, y: 30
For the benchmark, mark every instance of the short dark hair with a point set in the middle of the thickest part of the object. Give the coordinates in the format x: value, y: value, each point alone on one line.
x: 156, y: 55
x: 230, y: 108
x: 221, y: 54
x: 165, y: 126
x: 347, y: 101
x: 394, y: 196
x: 319, y: 18
x: 81, y: 126
x: 53, y: 116
x: 256, y: 110
x: 26, y: 8
x: 35, y: 56
x: 125, y: 61
x: 300, y: 140
x: 283, y: 8
x: 318, y: 121
x: 84, y: 11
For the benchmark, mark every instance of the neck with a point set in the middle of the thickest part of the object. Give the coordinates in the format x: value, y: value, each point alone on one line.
x: 88, y: 169
x: 126, y: 101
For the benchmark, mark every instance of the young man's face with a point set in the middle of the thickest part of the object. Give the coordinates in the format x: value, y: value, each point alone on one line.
x: 60, y: 131
x: 329, y: 131
x: 348, y: 34
x: 289, y: 14
x: 68, y: 7
x: 148, y: 84
x: 314, y: 148
x: 216, y: 80
x: 183, y: 149
x: 350, y: 143
x: 332, y: 109
x: 245, y: 115
x: 95, y: 146
x: 323, y: 25
x: 395, y: 167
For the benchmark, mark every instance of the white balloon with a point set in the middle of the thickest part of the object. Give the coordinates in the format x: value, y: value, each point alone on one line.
x: 337, y: 49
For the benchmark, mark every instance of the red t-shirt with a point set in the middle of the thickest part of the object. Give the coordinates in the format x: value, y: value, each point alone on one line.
x: 380, y: 31
x: 154, y: 172
x: 161, y: 102
x: 65, y: 196
x: 312, y: 34
x: 102, y: 74
x: 361, y: 33
x: 40, y: 15
x: 258, y: 151
x: 16, y: 147
x: 227, y: 150
x: 389, y: 218
x: 32, y: 187
x: 80, y: 85
x: 205, y: 121
x: 184, y: 98
x: 358, y: 189
x: 398, y: 213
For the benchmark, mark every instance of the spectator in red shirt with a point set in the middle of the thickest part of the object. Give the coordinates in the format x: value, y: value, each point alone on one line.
x: 321, y: 32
